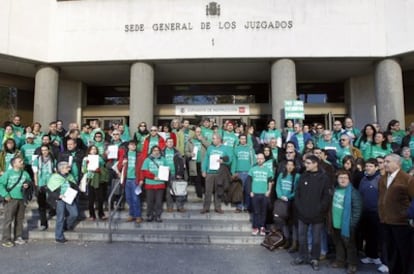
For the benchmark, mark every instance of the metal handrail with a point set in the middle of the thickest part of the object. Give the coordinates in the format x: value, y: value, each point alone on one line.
x: 117, y: 204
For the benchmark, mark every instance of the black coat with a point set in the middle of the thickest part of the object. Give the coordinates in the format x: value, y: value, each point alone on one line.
x: 312, y: 197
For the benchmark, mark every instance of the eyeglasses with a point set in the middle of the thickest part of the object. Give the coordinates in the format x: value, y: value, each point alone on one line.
x: 290, y: 152
x: 115, y: 134
x: 337, y: 124
x: 153, y: 130
x: 342, y: 140
x: 319, y: 128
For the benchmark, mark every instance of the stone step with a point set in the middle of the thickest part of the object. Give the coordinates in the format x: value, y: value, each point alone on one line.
x: 166, y: 225
x: 150, y: 236
x: 228, y: 215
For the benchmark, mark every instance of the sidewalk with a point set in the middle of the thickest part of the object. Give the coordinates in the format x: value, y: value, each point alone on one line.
x: 122, y: 258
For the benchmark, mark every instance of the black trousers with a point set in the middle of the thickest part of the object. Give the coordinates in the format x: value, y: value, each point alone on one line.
x: 399, y: 242
x: 370, y: 227
x: 154, y: 202
x: 43, y: 206
x: 96, y: 195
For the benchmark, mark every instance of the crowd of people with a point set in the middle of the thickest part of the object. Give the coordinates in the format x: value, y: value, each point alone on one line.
x: 347, y: 186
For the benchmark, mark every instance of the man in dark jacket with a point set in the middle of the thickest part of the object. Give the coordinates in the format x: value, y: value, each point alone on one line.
x: 312, y: 199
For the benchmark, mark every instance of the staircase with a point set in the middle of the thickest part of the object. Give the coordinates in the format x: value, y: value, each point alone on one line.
x: 190, y: 227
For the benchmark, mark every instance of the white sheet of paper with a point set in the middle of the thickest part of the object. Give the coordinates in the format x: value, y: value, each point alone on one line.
x: 69, y: 195
x: 70, y: 160
x: 163, y: 173
x: 93, y: 162
x: 195, y: 151
x: 330, y: 148
x: 138, y: 190
x: 112, y: 152
x: 214, y: 163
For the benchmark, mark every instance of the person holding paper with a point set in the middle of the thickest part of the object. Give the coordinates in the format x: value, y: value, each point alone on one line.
x: 66, y: 214
x: 195, y: 151
x: 95, y: 190
x: 176, y: 164
x: 128, y: 159
x: 154, y: 187
x: 12, y: 183
x: 43, y: 168
x: 216, y: 170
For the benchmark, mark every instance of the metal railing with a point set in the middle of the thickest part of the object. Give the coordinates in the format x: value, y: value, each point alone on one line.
x: 116, y: 187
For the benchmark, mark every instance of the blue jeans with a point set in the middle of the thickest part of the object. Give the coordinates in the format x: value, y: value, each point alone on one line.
x: 303, y: 240
x: 133, y: 200
x: 324, y: 239
x: 260, y: 203
x: 246, y: 195
x: 61, y: 209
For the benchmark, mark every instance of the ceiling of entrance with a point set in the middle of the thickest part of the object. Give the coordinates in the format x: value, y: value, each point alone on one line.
x: 202, y: 71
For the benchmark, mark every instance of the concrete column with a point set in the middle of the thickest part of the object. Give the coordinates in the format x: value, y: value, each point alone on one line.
x: 283, y: 77
x: 46, y: 96
x: 141, y: 105
x: 389, y: 92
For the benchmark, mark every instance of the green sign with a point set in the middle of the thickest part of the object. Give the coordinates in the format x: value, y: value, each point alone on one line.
x: 294, y: 110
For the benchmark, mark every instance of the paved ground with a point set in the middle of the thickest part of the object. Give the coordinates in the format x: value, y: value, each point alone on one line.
x: 122, y: 258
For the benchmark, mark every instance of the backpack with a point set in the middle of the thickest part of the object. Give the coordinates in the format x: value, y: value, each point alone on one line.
x: 274, y: 239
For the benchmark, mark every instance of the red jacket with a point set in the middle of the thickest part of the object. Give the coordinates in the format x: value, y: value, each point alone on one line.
x: 144, y: 153
x: 122, y: 155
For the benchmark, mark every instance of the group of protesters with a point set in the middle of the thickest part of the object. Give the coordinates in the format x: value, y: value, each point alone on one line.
x: 347, y: 186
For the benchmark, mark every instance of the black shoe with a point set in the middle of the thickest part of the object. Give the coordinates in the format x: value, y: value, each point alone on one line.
x: 315, y: 265
x: 61, y: 241
x: 150, y: 218
x: 297, y: 261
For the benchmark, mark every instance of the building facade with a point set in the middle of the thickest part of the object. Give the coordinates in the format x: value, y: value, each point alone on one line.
x: 135, y: 60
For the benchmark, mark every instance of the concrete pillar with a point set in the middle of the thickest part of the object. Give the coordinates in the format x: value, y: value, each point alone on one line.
x: 141, y: 105
x: 283, y: 77
x: 46, y: 96
x: 389, y: 92
x: 70, y: 102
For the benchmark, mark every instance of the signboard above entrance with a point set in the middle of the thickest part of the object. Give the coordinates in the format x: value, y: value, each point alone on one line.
x: 294, y: 109
x: 182, y: 110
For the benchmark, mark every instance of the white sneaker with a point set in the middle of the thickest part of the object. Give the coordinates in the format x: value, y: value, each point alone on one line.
x: 383, y: 268
x: 377, y: 261
x: 19, y: 241
x: 367, y: 260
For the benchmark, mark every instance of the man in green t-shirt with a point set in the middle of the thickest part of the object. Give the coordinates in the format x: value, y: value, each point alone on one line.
x: 12, y: 183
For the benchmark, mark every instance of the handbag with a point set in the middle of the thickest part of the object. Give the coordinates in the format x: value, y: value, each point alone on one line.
x: 281, y: 209
x: 178, y: 187
x: 273, y: 240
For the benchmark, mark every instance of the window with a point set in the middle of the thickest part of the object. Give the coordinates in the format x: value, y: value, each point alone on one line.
x: 321, y: 93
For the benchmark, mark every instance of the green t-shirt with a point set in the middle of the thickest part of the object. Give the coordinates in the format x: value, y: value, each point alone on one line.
x: 207, y: 133
x: 132, y: 158
x: 406, y: 164
x: 397, y: 136
x: 230, y: 139
x: 377, y: 151
x: 28, y: 151
x: 244, y: 158
x: 153, y: 168
x: 169, y: 159
x: 338, y: 207
x: 8, y: 179
x: 261, y: 176
x: 411, y: 145
x: 153, y: 141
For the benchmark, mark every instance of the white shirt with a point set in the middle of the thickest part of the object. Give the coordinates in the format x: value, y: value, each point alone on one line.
x: 391, y: 177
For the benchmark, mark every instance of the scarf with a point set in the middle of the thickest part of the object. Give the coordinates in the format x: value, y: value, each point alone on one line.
x: 346, y: 215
